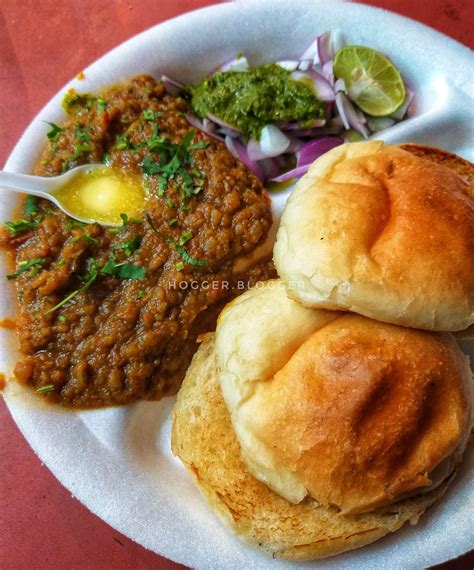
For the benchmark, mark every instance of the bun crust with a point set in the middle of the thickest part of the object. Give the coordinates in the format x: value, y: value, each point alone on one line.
x: 364, y: 412
x: 376, y: 230
x: 205, y: 442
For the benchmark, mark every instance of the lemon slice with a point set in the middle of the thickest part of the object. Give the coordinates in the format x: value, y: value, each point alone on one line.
x: 372, y: 81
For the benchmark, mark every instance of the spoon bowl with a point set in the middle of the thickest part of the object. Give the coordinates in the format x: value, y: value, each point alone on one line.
x: 49, y: 188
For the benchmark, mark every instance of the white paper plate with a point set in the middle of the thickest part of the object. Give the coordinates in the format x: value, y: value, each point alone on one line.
x: 118, y: 461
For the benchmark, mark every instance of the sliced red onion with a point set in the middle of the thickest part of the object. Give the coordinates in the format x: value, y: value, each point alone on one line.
x: 273, y: 141
x: 172, y: 86
x: 327, y: 72
x: 195, y: 122
x: 295, y: 144
x: 289, y: 64
x: 255, y: 151
x: 349, y: 115
x: 270, y: 168
x: 324, y: 90
x: 377, y: 124
x: 229, y: 128
x: 312, y: 150
x: 324, y: 45
x: 295, y: 173
x: 237, y: 64
x: 402, y: 110
x: 244, y: 157
x: 230, y: 144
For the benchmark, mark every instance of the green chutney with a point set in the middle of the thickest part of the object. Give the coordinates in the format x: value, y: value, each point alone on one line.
x: 249, y: 100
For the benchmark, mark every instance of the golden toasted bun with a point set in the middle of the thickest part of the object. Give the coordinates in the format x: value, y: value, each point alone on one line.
x: 205, y: 442
x: 378, y: 231
x: 257, y: 334
x: 354, y: 412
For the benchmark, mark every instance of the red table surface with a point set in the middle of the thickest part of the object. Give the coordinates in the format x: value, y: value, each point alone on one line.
x: 42, y: 45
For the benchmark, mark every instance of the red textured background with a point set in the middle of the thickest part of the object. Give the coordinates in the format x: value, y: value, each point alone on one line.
x: 43, y: 43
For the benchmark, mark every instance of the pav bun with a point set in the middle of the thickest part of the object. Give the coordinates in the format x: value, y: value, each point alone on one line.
x: 356, y: 413
x: 204, y: 440
x: 383, y: 232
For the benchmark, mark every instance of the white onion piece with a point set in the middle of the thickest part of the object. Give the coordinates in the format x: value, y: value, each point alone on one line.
x: 238, y: 64
x: 272, y: 141
x: 377, y: 124
x: 349, y: 115
x: 172, y: 86
x: 229, y: 143
x: 324, y: 90
x: 402, y: 110
x: 228, y: 132
x: 340, y: 85
x: 289, y: 64
x: 223, y: 124
x: 312, y: 150
x: 295, y: 173
x: 208, y: 125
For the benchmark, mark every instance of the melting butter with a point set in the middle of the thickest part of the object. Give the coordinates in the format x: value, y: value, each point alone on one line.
x: 102, y: 194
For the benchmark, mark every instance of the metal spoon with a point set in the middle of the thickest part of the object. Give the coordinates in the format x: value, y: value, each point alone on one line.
x: 45, y: 187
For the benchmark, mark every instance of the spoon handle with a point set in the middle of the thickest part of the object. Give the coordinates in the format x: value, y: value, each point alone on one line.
x: 36, y: 185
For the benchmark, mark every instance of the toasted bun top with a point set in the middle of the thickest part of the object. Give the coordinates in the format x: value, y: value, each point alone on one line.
x: 381, y: 232
x: 358, y: 416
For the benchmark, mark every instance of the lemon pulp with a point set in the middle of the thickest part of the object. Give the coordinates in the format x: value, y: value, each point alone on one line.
x: 372, y: 81
x: 102, y: 194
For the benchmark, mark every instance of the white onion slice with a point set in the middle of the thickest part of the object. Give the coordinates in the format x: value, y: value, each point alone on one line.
x: 241, y: 150
x: 402, y: 110
x: 195, y: 122
x: 327, y: 72
x: 255, y: 151
x: 377, y: 124
x: 305, y: 64
x: 172, y: 86
x: 289, y: 64
x: 229, y: 143
x: 273, y: 141
x: 311, y: 52
x: 349, y: 115
x: 237, y: 64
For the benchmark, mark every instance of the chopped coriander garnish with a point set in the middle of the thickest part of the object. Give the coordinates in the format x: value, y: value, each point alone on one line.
x: 130, y: 246
x: 54, y: 133
x: 70, y: 224
x: 150, y: 115
x: 185, y: 238
x: 169, y: 202
x: 17, y: 227
x: 82, y: 133
x: 173, y: 221
x: 180, y: 266
x: 30, y: 206
x: 131, y: 271
x: 141, y: 294
x: 45, y: 389
x: 123, y: 143
x: 126, y: 220
x: 81, y: 150
x: 101, y: 105
x: 33, y: 265
x: 62, y: 319
x: 188, y: 259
